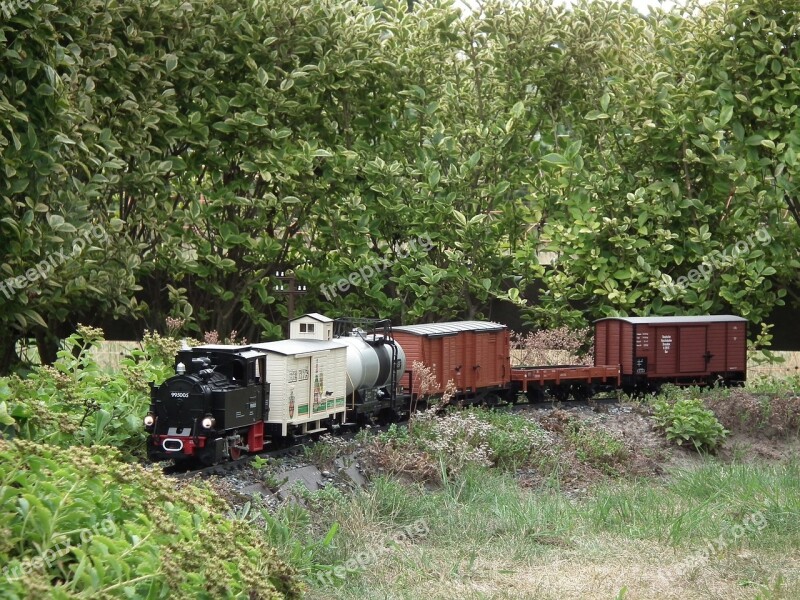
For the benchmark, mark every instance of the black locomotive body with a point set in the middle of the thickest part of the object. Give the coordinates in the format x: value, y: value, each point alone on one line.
x: 214, y: 407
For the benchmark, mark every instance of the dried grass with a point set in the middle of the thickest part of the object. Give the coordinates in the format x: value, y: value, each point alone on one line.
x: 602, y: 568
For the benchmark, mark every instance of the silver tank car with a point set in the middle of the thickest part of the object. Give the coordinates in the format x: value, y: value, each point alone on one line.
x: 369, y: 361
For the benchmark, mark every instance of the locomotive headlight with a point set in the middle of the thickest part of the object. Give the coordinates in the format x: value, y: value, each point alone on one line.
x: 149, y: 420
x: 208, y: 422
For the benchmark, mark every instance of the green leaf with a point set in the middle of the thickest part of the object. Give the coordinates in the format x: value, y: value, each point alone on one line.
x: 5, y: 418
x: 754, y: 140
x: 555, y: 159
x: 594, y: 115
x: 725, y: 114
x: 605, y: 99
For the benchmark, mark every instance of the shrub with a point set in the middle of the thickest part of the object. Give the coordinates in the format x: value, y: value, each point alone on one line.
x: 689, y: 421
x: 771, y: 415
x: 434, y: 443
x: 326, y: 450
x: 562, y: 345
x: 76, y: 402
x: 80, y: 523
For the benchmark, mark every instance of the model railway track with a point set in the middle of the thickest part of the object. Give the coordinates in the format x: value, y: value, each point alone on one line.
x: 550, y: 404
x: 227, y: 468
x: 186, y: 471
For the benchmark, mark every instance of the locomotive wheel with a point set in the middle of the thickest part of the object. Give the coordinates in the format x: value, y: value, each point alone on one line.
x: 233, y: 452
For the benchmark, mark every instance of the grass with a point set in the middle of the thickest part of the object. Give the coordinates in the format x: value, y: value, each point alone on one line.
x: 716, y: 531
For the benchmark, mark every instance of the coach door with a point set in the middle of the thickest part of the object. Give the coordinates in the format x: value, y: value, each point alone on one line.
x: 666, y: 350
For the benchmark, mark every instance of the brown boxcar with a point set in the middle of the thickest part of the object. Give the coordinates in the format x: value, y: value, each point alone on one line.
x: 652, y: 350
x: 473, y: 354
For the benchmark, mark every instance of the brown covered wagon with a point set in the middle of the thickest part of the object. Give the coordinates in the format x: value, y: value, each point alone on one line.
x: 651, y: 351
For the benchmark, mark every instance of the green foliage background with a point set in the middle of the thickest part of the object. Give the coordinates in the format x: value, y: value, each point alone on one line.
x: 218, y: 142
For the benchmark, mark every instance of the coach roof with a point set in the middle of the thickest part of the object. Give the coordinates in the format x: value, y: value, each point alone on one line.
x: 292, y: 347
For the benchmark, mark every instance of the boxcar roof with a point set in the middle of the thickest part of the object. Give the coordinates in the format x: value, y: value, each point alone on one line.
x: 674, y: 320
x: 439, y: 329
x: 291, y: 347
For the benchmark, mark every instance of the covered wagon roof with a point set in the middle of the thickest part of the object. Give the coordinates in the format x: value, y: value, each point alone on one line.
x: 453, y: 327
x: 292, y: 347
x: 675, y: 320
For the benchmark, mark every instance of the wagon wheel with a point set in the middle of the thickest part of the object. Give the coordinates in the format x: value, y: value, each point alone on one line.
x: 560, y: 392
x: 581, y: 391
x: 491, y: 399
x: 535, y: 394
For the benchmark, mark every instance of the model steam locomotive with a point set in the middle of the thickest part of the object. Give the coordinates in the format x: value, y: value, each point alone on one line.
x: 224, y: 400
